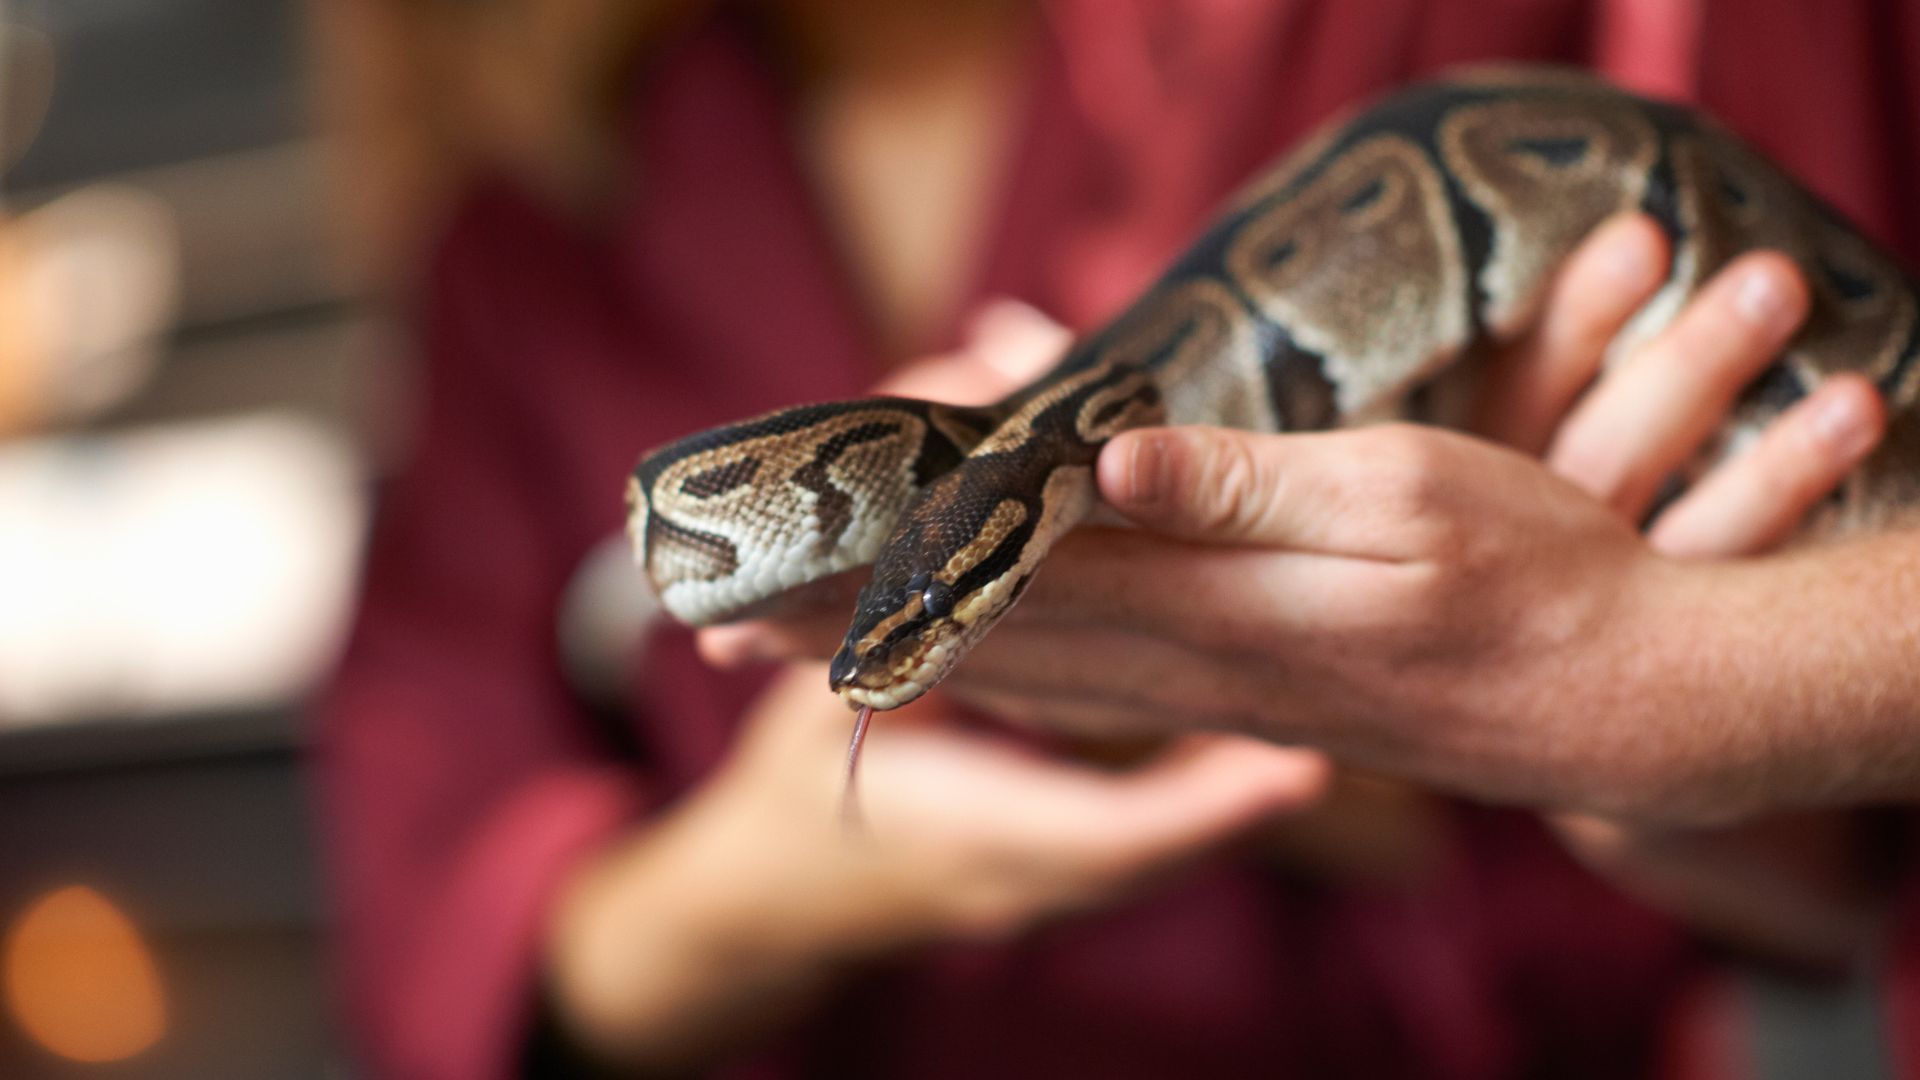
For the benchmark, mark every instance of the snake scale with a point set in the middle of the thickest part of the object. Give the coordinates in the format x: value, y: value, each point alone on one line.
x: 1345, y: 285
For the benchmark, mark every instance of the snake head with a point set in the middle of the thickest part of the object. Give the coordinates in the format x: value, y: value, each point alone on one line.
x: 969, y: 544
x: 959, y: 561
x: 955, y: 565
x: 907, y: 636
x: 904, y: 639
x: 726, y: 520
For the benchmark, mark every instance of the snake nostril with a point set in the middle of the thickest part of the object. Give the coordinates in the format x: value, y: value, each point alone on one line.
x: 843, y: 668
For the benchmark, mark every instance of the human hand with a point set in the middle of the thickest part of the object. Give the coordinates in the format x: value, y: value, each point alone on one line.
x: 1083, y: 651
x: 728, y: 911
x: 1409, y: 558
x: 1794, y: 888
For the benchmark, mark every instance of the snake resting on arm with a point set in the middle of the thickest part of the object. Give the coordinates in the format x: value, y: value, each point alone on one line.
x: 1354, y: 282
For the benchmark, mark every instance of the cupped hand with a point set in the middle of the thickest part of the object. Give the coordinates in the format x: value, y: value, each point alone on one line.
x: 730, y: 910
x: 960, y: 832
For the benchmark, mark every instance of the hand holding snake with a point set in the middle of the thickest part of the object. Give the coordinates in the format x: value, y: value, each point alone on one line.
x: 1339, y: 289
x: 1126, y: 634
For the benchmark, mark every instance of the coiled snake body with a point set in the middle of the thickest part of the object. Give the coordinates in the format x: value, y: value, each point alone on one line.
x: 1343, y: 286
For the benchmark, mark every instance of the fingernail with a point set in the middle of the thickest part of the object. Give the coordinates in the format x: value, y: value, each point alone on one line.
x: 1841, y: 422
x: 1761, y: 299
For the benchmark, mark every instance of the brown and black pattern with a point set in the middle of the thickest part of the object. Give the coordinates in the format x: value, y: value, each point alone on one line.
x: 1545, y: 177
x: 1345, y: 283
x: 1311, y: 263
x: 809, y: 483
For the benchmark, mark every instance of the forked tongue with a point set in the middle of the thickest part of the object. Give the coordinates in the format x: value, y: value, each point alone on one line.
x: 849, y: 794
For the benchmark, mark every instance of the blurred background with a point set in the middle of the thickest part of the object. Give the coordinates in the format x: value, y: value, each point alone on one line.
x: 189, y: 431
x: 198, y: 400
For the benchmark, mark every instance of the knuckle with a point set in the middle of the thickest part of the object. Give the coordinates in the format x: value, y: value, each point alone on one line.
x: 1601, y: 470
x: 1239, y: 492
x: 1427, y: 597
x: 1416, y: 472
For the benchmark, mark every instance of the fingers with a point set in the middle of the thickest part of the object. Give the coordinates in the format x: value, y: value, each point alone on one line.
x: 1595, y: 840
x: 1757, y: 500
x: 1309, y: 531
x: 1202, y: 791
x: 814, y: 634
x: 1008, y: 345
x: 1652, y: 411
x: 1019, y: 341
x: 1088, y: 679
x: 1533, y: 384
x: 1120, y: 581
x: 994, y: 839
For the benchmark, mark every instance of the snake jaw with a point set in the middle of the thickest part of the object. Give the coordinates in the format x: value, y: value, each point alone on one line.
x: 895, y: 683
x: 898, y: 670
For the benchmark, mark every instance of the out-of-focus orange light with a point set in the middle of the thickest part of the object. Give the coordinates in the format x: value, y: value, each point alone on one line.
x: 80, y: 981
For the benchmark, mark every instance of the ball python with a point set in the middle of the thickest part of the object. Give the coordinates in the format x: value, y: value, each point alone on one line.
x: 1355, y: 281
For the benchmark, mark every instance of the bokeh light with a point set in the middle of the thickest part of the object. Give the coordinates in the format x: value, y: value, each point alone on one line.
x: 79, y: 979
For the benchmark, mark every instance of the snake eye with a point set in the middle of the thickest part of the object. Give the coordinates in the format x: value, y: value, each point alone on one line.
x: 937, y: 600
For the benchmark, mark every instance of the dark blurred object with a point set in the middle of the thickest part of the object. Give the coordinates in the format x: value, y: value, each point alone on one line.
x: 26, y: 79
x: 138, y: 83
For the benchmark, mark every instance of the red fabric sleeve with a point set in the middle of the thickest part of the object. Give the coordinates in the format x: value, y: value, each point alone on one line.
x: 457, y: 776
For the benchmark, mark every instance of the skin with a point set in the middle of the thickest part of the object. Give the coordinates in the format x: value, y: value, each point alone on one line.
x: 729, y: 913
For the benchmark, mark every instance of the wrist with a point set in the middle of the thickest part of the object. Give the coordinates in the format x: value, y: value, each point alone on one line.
x: 1817, y: 646
x: 1679, y: 741
x: 1761, y: 686
x: 670, y: 941
x: 1602, y: 707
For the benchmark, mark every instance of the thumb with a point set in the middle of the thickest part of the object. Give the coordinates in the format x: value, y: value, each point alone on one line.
x: 1198, y: 482
x: 1238, y: 487
x: 1007, y: 345
x: 1351, y: 494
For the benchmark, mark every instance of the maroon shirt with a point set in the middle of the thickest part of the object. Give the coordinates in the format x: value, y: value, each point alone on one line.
x: 461, y: 780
